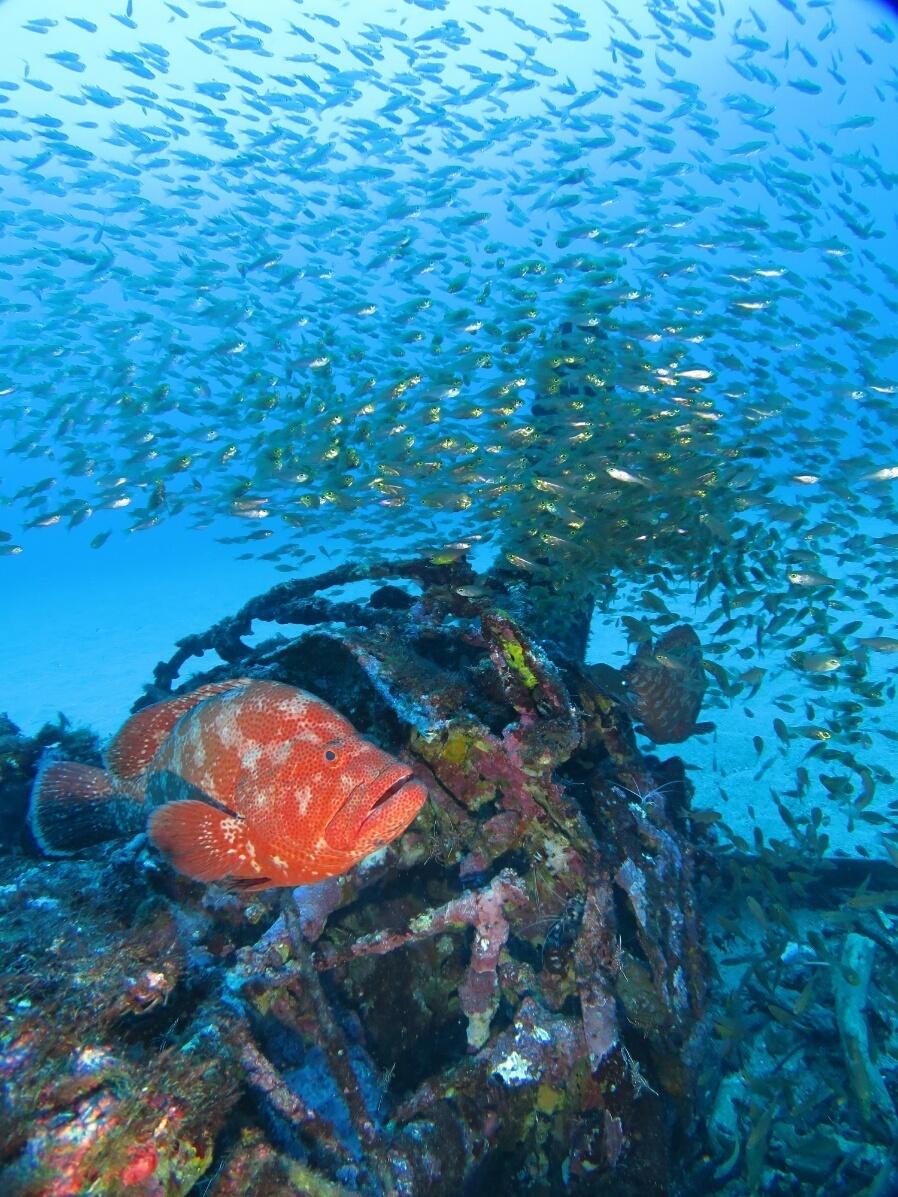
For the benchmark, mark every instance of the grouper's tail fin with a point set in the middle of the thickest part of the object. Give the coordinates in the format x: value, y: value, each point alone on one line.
x: 73, y: 806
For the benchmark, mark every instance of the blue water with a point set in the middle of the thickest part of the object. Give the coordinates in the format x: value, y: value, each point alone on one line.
x: 376, y: 159
x: 282, y: 288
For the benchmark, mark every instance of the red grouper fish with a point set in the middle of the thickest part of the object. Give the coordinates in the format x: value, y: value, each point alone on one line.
x: 254, y: 782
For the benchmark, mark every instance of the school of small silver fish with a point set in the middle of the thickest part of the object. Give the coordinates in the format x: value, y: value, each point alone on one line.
x: 612, y: 293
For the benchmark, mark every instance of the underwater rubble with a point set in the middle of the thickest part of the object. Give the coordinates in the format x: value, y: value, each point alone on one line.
x: 556, y: 980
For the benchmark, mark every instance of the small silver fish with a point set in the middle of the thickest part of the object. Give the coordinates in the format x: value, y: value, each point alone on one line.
x: 810, y: 579
x: 879, y: 644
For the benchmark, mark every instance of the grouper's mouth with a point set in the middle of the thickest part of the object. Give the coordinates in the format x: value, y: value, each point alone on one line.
x: 377, y: 811
x: 389, y: 793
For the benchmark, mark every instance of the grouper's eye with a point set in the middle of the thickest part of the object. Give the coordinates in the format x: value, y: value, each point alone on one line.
x: 332, y: 752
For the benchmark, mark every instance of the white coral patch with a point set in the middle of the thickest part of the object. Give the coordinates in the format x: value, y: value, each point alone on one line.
x: 373, y: 860
x: 540, y: 1034
x: 556, y: 853
x: 515, y: 1069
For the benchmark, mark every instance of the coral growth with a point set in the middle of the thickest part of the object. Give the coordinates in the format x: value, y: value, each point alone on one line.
x: 113, y: 1073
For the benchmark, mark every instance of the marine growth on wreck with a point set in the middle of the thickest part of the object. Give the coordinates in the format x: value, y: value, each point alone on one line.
x: 532, y: 829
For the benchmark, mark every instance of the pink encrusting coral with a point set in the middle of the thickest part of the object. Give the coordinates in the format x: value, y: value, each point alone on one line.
x: 481, y: 909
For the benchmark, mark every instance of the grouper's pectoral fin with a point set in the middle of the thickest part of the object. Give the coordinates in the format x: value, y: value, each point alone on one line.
x: 205, y: 842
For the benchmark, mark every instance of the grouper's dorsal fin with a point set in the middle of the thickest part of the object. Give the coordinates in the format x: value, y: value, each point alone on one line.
x: 133, y: 748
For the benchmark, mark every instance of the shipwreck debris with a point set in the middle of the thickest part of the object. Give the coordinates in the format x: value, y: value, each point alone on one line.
x: 511, y: 993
